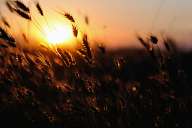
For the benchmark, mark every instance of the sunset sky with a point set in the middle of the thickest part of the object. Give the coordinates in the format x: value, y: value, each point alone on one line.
x: 116, y: 22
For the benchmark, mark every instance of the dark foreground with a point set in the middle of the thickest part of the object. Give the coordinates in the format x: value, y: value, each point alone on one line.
x: 132, y: 90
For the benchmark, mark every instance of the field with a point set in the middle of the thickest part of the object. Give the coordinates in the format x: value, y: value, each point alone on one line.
x: 93, y: 86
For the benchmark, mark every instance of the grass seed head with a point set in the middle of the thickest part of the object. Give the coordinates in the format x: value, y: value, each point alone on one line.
x: 21, y: 6
x: 153, y: 39
x: 9, y: 6
x: 69, y: 17
x: 23, y: 14
x: 40, y: 10
x: 144, y: 43
x: 75, y: 30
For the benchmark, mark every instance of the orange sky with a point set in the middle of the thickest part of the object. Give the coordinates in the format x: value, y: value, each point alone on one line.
x: 117, y: 21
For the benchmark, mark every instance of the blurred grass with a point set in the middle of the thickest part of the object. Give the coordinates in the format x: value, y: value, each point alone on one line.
x: 93, y: 87
x: 115, y: 91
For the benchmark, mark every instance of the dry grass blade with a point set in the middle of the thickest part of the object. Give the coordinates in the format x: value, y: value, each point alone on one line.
x: 66, y: 59
x: 3, y: 46
x: 21, y: 6
x: 11, y: 42
x: 5, y: 36
x: 39, y: 9
x: 73, y: 60
x: 25, y: 37
x: 102, y: 48
x: 9, y: 6
x: 70, y: 58
x: 119, y: 62
x: 23, y: 14
x: 81, y: 52
x: 170, y: 45
x: 29, y: 59
x: 75, y: 30
x: 87, y: 20
x: 5, y: 22
x: 167, y: 46
x: 152, y: 53
x: 144, y: 43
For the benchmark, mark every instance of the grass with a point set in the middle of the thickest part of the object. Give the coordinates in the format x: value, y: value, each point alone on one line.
x: 93, y: 87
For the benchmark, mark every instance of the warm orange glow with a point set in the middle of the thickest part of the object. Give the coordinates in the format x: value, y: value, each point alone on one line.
x: 54, y: 31
x: 58, y: 34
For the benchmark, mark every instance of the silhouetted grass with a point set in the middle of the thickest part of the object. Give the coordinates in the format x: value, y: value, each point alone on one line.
x: 93, y: 87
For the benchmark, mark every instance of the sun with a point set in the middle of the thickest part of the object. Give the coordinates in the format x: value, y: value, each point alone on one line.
x: 58, y: 34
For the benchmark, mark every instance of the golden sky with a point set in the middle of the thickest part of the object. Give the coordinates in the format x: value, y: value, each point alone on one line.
x: 116, y: 22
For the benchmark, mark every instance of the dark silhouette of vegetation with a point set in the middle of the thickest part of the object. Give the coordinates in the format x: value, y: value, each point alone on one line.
x: 93, y: 87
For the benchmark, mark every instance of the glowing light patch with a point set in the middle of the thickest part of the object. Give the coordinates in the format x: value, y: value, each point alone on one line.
x: 59, y: 34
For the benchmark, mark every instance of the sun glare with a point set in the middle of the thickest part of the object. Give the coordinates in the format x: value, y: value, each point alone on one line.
x: 58, y: 34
